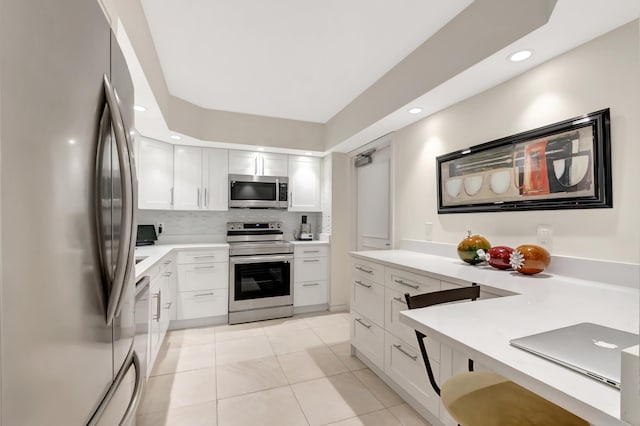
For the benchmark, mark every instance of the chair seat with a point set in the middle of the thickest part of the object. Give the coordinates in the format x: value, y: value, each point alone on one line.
x: 488, y: 399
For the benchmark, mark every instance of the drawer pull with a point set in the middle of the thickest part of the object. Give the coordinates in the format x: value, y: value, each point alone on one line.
x: 363, y: 323
x: 399, y: 347
x: 204, y: 257
x: 312, y: 260
x: 203, y: 294
x: 406, y: 284
x: 167, y: 262
x: 167, y: 274
x: 310, y: 284
x: 397, y: 299
x: 312, y: 251
x: 368, y: 271
x: 168, y: 305
x: 204, y: 267
x: 363, y: 284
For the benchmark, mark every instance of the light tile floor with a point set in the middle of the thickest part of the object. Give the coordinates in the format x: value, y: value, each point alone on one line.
x: 288, y: 372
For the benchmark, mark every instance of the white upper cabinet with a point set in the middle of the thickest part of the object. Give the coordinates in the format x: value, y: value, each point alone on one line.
x: 155, y: 174
x: 273, y: 164
x: 215, y: 178
x: 256, y: 163
x: 200, y: 178
x: 304, y: 184
x: 187, y: 181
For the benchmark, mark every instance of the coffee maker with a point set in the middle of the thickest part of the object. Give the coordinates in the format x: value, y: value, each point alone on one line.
x: 304, y: 234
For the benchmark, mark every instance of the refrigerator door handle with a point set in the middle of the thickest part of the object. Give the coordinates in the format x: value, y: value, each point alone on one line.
x: 122, y: 267
x: 135, y: 396
x: 137, y: 392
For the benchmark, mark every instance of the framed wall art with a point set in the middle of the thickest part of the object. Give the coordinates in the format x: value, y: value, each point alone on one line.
x: 566, y: 165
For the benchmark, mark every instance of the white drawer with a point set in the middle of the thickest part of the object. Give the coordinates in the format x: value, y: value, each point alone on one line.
x: 369, y: 270
x: 203, y: 276
x: 367, y: 298
x: 310, y: 293
x: 394, y: 303
x: 167, y: 263
x: 202, y: 304
x: 368, y: 338
x: 404, y: 364
x: 202, y: 256
x: 310, y: 269
x: 408, y: 282
x: 310, y: 251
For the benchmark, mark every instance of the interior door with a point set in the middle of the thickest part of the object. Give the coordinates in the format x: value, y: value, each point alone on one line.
x: 374, y: 202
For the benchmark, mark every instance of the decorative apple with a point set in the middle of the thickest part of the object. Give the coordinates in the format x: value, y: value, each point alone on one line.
x: 468, y: 248
x: 529, y: 259
x: 498, y: 257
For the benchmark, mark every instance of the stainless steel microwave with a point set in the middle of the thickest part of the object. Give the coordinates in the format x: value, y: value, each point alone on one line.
x: 258, y: 192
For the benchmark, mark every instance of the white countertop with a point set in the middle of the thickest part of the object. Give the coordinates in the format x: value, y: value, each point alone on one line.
x: 309, y: 243
x: 482, y: 329
x: 156, y: 252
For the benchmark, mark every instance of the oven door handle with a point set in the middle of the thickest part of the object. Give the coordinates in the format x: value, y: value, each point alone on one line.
x: 261, y: 259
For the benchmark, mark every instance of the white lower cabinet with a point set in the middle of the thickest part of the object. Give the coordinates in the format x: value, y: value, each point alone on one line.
x: 203, y: 284
x: 368, y: 338
x: 403, y: 363
x: 310, y: 275
x: 377, y: 298
x: 201, y: 304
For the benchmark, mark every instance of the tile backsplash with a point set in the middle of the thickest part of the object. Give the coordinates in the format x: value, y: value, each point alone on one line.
x: 211, y: 227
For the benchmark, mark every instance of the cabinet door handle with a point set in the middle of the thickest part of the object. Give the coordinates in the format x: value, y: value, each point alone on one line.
x: 363, y: 284
x: 311, y: 260
x: 406, y: 284
x: 312, y: 251
x: 291, y: 199
x: 368, y: 271
x: 255, y: 165
x: 310, y: 284
x: 158, y: 305
x: 198, y: 197
x: 204, y: 267
x: 363, y: 323
x: 399, y: 347
x: 171, y: 195
x: 203, y: 294
x: 397, y: 299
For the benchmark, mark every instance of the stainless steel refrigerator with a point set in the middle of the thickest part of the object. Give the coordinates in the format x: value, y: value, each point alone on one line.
x: 67, y: 216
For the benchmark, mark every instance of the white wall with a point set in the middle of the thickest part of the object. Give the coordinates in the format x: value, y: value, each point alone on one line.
x: 603, y: 73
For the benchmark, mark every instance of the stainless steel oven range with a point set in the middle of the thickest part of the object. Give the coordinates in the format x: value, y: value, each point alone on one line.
x: 261, y: 272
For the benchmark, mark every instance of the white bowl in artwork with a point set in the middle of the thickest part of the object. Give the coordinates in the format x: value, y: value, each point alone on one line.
x: 453, y: 187
x: 472, y: 184
x: 500, y: 181
x: 579, y: 168
x: 577, y: 171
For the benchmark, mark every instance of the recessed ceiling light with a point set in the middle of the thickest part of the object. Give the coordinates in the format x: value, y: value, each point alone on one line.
x: 72, y: 141
x: 176, y: 137
x: 139, y: 108
x: 416, y: 110
x: 521, y: 55
x: 260, y: 149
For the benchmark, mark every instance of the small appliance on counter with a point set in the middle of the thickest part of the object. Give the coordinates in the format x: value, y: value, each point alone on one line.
x: 304, y: 234
x: 146, y: 235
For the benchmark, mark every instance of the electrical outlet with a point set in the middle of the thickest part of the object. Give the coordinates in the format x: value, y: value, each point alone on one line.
x: 428, y: 231
x: 545, y: 236
x: 160, y: 227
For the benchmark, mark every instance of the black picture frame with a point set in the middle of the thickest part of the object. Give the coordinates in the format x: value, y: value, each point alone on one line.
x: 565, y: 165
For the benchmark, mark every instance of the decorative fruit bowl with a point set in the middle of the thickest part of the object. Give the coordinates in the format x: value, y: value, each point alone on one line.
x: 468, y: 248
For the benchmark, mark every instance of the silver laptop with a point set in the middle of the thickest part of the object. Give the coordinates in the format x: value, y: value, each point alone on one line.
x: 588, y: 348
